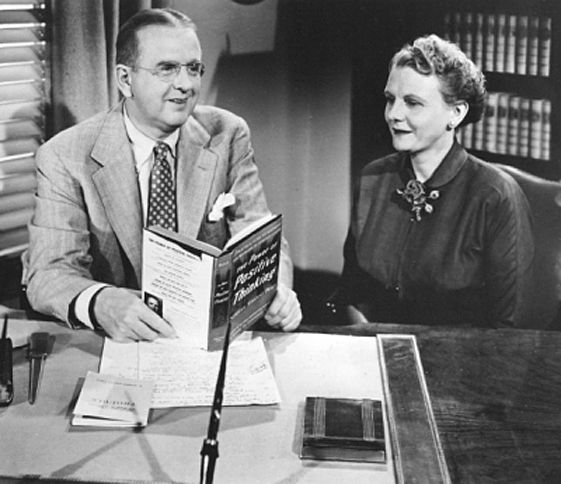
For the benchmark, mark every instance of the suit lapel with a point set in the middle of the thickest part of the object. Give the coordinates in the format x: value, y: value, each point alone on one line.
x: 117, y: 184
x: 195, y: 171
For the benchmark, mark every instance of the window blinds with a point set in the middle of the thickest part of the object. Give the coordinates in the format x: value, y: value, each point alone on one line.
x: 23, y: 100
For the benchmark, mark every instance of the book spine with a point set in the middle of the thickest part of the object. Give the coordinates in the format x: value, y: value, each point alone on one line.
x: 522, y: 45
x: 467, y: 137
x: 479, y: 135
x: 460, y: 136
x: 457, y: 29
x: 513, y: 125
x: 490, y: 41
x: 524, y: 130
x: 502, y: 122
x: 544, y: 46
x: 546, y: 131
x: 490, y: 122
x: 220, y: 305
x: 510, y: 56
x: 533, y: 46
x: 478, y: 42
x: 536, y: 128
x: 500, y: 43
x: 447, y: 26
x: 467, y: 34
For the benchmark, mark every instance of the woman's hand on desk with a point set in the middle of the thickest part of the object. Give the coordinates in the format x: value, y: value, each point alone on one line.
x: 355, y: 315
x: 284, y: 312
x: 124, y: 317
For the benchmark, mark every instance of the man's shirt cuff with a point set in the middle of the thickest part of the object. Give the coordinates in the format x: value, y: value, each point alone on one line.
x: 82, y: 306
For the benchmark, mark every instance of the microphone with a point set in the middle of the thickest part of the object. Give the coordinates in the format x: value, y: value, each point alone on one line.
x: 209, y: 451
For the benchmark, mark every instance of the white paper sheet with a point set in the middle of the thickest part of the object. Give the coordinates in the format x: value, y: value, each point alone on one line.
x: 109, y: 401
x: 186, y: 376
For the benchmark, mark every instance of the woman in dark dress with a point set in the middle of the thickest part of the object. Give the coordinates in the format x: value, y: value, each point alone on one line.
x: 437, y: 236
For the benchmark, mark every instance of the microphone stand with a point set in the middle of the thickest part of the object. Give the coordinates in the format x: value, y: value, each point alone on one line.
x: 209, y: 451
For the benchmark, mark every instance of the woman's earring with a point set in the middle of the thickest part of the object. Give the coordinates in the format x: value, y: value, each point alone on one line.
x: 449, y: 127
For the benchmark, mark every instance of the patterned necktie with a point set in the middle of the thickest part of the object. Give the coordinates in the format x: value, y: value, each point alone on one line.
x: 161, y: 199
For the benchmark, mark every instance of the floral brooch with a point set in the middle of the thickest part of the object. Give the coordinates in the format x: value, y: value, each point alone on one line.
x: 415, y: 194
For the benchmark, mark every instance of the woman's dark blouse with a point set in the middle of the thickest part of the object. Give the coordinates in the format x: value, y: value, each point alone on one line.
x: 468, y: 262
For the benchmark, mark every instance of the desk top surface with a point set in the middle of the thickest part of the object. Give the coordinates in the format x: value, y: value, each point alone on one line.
x: 496, y: 397
x: 258, y: 444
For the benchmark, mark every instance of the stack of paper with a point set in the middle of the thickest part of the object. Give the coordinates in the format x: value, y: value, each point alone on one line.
x: 111, y: 401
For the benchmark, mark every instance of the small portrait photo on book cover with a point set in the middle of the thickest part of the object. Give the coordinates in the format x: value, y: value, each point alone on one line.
x: 154, y: 303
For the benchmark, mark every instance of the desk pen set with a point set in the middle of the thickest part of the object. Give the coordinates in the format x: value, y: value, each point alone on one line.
x: 38, y: 350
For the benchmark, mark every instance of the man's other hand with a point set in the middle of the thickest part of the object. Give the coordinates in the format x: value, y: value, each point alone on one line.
x: 124, y: 317
x: 284, y: 312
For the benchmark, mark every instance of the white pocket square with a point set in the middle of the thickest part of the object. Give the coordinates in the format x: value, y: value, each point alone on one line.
x: 223, y: 201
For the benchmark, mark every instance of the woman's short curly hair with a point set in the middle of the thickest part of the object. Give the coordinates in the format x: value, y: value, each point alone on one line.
x: 460, y: 78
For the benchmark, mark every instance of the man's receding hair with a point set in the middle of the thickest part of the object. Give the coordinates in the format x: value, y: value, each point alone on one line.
x: 460, y: 78
x: 127, y: 40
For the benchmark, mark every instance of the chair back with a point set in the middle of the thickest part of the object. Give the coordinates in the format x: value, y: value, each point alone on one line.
x: 544, y: 198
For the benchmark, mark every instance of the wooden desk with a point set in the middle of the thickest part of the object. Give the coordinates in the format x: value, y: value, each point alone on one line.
x: 258, y: 444
x: 496, y: 398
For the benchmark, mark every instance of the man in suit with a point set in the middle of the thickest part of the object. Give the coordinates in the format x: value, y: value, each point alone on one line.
x: 95, y: 184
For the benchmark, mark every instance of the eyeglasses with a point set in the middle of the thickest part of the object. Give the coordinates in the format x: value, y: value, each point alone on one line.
x: 168, y: 71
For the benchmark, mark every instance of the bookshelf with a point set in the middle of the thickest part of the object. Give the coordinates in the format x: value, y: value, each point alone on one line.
x: 380, y: 28
x: 517, y: 45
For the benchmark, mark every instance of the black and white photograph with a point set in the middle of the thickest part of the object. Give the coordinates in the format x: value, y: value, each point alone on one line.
x: 318, y: 241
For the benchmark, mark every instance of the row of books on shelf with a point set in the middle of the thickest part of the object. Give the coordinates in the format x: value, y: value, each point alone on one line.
x: 511, y: 125
x: 515, y: 44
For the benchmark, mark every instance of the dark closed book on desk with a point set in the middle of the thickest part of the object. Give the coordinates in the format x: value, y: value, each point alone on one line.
x: 197, y: 287
x: 343, y: 429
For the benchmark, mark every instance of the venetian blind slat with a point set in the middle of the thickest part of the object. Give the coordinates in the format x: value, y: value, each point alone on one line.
x: 33, y: 109
x: 14, y: 240
x: 17, y: 164
x: 20, y: 128
x: 21, y: 32
x: 16, y: 71
x: 20, y: 90
x: 25, y: 182
x: 14, y: 219
x: 17, y: 146
x: 16, y: 201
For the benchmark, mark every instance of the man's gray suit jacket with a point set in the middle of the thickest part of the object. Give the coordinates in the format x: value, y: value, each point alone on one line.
x: 87, y: 225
